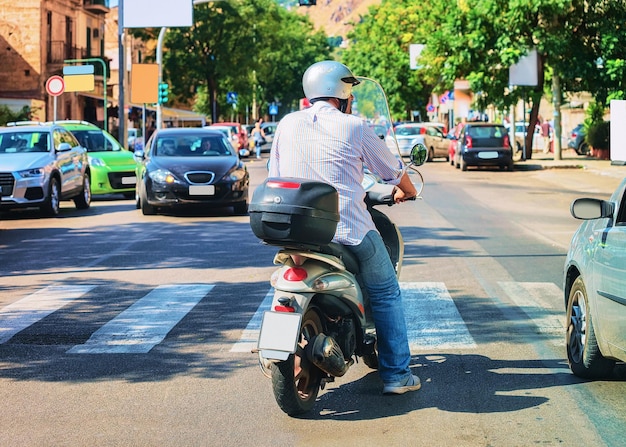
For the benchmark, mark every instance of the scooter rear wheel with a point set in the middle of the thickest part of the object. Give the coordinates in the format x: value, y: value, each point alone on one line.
x: 296, y: 381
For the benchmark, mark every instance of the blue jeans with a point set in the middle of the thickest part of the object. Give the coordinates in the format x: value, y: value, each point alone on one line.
x: 379, y: 279
x: 257, y: 147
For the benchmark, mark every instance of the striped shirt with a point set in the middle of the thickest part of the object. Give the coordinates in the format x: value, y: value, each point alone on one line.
x: 321, y: 143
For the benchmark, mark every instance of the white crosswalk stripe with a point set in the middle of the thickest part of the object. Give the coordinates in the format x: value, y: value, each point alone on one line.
x: 250, y: 335
x: 23, y: 313
x: 146, y: 323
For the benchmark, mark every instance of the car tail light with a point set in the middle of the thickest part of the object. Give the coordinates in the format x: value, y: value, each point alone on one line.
x: 506, y: 142
x: 468, y: 142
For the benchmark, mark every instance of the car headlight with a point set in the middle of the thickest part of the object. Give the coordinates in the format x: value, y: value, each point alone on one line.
x: 162, y: 176
x: 235, y: 175
x: 31, y: 173
x: 94, y: 161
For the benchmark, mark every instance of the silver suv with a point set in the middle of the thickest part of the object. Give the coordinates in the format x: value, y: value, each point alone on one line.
x: 40, y: 165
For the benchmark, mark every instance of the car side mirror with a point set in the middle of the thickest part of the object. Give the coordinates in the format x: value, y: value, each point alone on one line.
x: 64, y: 147
x: 588, y: 208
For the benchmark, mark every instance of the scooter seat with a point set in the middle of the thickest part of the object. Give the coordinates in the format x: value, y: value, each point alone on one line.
x: 340, y: 251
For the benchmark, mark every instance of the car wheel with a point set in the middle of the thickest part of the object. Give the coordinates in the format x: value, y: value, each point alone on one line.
x: 583, y: 354
x: 146, y: 208
x: 52, y: 205
x: 583, y: 149
x: 83, y: 200
x: 463, y: 165
x: 431, y: 154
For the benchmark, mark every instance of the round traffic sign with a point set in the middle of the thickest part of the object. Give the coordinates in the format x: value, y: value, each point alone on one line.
x: 55, y: 85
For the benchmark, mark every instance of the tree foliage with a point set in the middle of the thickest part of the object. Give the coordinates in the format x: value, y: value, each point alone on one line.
x: 580, y: 41
x: 7, y: 115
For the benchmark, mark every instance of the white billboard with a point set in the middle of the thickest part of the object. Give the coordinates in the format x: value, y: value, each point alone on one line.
x: 157, y: 13
x: 526, y: 71
x: 618, y: 132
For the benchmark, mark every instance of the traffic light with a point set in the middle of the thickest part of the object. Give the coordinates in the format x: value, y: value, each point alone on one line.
x: 164, y: 90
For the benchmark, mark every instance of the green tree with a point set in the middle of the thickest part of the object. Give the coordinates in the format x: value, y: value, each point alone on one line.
x: 379, y: 49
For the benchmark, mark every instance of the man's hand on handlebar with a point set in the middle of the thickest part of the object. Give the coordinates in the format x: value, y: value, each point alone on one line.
x: 405, y: 190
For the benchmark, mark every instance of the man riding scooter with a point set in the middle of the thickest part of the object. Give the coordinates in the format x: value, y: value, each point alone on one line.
x: 326, y: 143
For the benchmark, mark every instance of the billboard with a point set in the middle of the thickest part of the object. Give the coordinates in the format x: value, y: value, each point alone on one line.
x: 157, y: 13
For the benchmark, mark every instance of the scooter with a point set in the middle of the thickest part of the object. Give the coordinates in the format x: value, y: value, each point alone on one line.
x: 319, y: 323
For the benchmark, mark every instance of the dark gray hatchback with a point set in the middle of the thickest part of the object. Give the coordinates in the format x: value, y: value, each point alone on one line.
x: 483, y: 144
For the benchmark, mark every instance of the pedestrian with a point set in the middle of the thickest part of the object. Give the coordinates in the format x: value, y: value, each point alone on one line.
x: 258, y: 136
x: 326, y: 143
x: 546, y: 131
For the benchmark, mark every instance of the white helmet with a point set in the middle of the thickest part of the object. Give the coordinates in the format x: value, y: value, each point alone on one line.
x: 328, y: 79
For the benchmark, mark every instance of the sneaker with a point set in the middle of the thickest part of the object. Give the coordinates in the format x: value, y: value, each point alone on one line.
x: 412, y: 383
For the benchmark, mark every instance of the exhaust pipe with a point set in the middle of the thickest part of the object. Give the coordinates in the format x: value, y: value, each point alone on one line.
x: 326, y: 354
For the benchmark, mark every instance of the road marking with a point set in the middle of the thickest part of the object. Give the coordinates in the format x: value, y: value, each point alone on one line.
x: 146, y: 323
x: 432, y: 319
x: 532, y: 299
x: 250, y: 335
x: 23, y: 313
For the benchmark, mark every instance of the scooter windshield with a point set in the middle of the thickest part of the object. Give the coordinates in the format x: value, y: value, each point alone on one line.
x: 370, y: 104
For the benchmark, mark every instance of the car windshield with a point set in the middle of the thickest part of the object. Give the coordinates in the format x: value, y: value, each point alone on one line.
x: 487, y: 132
x: 94, y: 141
x: 24, y: 141
x: 192, y: 145
x: 407, y: 130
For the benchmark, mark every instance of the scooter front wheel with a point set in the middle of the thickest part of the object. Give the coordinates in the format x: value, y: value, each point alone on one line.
x: 296, y: 381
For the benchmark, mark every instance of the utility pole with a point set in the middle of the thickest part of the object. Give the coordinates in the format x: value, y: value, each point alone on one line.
x: 556, y: 95
x: 121, y: 106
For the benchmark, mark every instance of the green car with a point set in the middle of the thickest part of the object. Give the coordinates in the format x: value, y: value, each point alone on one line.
x: 112, y: 165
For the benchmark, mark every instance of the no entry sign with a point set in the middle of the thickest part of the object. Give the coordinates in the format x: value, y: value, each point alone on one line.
x: 55, y: 85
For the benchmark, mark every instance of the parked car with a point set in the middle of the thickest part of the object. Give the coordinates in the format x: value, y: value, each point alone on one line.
x: 595, y: 286
x: 232, y: 137
x: 483, y: 144
x: 436, y: 143
x: 40, y: 165
x: 269, y: 128
x: 408, y: 135
x: 176, y: 170
x: 577, y: 140
x: 241, y: 136
x: 112, y: 166
x: 521, y: 130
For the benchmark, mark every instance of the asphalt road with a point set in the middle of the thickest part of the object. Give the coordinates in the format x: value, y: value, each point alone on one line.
x: 178, y: 297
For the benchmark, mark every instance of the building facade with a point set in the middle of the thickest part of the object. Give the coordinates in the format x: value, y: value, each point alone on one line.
x: 37, y: 38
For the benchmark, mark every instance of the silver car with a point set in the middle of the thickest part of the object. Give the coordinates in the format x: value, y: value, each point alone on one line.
x: 595, y: 286
x: 40, y: 165
x: 408, y: 135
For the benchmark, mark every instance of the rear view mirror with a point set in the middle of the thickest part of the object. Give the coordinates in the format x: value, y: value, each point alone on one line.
x: 588, y: 208
x: 419, y: 153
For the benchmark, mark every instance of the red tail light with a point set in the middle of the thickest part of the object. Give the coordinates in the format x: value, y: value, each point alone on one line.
x: 506, y: 142
x: 468, y: 142
x: 280, y: 308
x: 295, y: 274
x: 282, y: 184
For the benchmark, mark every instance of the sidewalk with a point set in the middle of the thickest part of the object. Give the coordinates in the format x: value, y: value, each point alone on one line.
x: 571, y: 160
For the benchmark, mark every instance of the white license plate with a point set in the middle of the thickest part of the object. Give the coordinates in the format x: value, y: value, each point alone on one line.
x: 129, y: 180
x: 279, y: 332
x: 488, y: 155
x: 201, y: 190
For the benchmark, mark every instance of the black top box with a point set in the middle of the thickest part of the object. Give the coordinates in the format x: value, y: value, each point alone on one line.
x: 290, y: 211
